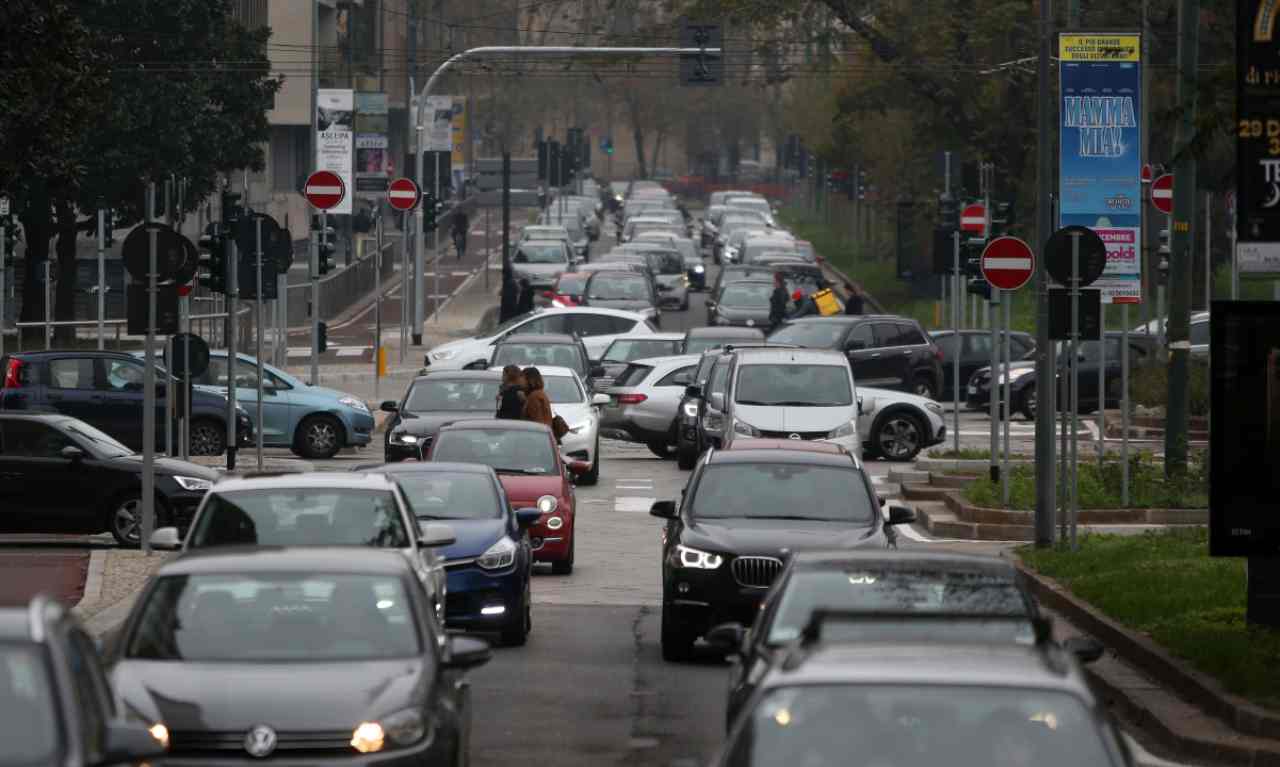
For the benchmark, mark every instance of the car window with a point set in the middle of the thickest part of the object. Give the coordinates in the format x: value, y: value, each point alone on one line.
x: 1199, y: 333
x: 946, y: 343
x: 977, y: 345
x: 441, y: 495
x: 563, y: 390
x: 246, y: 375
x: 818, y: 335
x: 545, y: 355
x: 886, y: 334
x: 540, y: 253
x: 910, y: 335
x: 551, y: 323
x: 427, y: 396
x: 300, y: 517
x: 632, y: 375
x: 861, y: 337
x: 770, y: 490
x: 587, y: 325
x: 29, y: 704
x: 704, y: 370
x: 1019, y: 347
x: 746, y: 294
x: 515, y: 451
x: 795, y: 385
x: 719, y: 378
x: 123, y: 375
x: 628, y: 349
x: 679, y: 377
x: 606, y: 286
x: 72, y: 373
x: 32, y: 439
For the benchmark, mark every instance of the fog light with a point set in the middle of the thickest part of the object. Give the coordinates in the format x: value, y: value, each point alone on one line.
x: 555, y: 523
x: 493, y: 610
x: 683, y: 588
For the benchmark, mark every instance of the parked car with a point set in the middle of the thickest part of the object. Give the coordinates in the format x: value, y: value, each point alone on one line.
x: 702, y: 339
x: 741, y: 512
x: 105, y: 390
x: 885, y: 350
x: 59, y: 707
x: 528, y: 461
x: 644, y: 402
x: 744, y: 303
x: 305, y: 654
x: 62, y: 475
x: 597, y: 327
x: 975, y: 353
x: 627, y: 350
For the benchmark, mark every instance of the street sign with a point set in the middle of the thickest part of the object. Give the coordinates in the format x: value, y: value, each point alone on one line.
x: 1093, y: 255
x: 1147, y: 173
x: 171, y: 252
x: 402, y: 194
x: 324, y: 189
x: 1089, y: 314
x: 973, y: 219
x: 166, y: 309
x: 1008, y: 263
x: 1162, y: 193
x: 701, y: 68
x: 190, y: 356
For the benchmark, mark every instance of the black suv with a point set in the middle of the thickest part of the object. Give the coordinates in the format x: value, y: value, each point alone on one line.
x: 886, y: 351
x: 54, y: 692
x: 105, y: 390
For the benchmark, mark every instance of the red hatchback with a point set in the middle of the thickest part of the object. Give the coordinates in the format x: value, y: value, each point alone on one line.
x: 532, y: 471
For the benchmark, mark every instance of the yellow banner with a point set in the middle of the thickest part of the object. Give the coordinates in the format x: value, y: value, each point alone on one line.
x: 458, y: 127
x: 1097, y: 47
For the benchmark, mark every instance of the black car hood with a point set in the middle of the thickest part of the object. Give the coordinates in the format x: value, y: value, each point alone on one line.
x: 427, y: 424
x: 770, y: 537
x: 742, y: 312
x: 170, y: 467
x: 284, y: 696
x: 624, y: 304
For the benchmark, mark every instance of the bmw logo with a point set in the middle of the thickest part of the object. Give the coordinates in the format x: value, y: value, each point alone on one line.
x: 793, y: 435
x: 260, y: 741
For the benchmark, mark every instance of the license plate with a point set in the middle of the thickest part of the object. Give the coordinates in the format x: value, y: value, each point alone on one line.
x: 973, y: 389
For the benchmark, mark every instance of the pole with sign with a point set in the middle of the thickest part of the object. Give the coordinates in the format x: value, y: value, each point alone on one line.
x: 324, y: 190
x: 403, y: 195
x: 1007, y: 263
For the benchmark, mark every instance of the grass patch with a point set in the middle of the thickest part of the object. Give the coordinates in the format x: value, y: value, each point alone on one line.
x: 1201, y: 619
x: 1100, y: 486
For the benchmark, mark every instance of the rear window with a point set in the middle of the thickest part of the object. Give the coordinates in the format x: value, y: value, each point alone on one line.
x: 628, y: 349
x: 633, y: 375
x: 910, y: 335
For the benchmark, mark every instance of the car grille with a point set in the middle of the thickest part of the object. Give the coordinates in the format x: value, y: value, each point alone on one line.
x: 756, y: 572
x: 318, y: 743
x: 787, y: 434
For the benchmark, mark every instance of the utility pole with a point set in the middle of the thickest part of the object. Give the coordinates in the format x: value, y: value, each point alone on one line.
x: 1181, y: 240
x: 1046, y: 393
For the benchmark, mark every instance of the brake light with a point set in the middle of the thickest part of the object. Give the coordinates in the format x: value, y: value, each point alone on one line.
x: 631, y: 399
x: 937, y: 353
x: 13, y: 375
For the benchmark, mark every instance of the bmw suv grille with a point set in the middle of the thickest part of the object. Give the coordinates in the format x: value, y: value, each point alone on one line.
x: 756, y: 572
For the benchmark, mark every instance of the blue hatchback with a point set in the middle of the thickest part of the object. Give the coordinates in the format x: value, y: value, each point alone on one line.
x: 489, y: 566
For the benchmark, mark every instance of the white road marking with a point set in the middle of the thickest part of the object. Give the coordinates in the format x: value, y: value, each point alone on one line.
x: 352, y: 352
x: 633, y: 503
x: 461, y: 274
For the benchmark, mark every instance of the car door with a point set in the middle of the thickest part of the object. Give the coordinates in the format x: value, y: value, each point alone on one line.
x: 121, y: 386
x: 50, y: 488
x: 899, y: 347
x: 597, y: 331
x: 70, y: 389
x: 278, y: 414
x: 713, y: 419
x: 870, y: 368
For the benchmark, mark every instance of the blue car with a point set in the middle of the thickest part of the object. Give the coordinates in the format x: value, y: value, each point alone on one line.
x: 489, y: 566
x: 312, y: 421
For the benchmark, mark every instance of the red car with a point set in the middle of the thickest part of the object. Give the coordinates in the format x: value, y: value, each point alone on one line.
x: 532, y: 471
x: 567, y: 291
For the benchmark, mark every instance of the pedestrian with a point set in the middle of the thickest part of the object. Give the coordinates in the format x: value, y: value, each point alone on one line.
x: 511, y: 396
x: 778, y: 301
x: 852, y: 304
x: 525, y: 304
x: 509, y: 304
x: 461, y: 225
x: 537, y: 406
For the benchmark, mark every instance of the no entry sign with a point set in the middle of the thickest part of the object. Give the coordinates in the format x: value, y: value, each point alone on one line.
x: 1007, y: 263
x: 403, y: 194
x: 973, y: 219
x: 1162, y: 193
x: 324, y: 189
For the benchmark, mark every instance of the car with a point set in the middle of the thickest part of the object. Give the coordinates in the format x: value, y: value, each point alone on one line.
x: 432, y: 400
x: 541, y: 262
x: 885, y: 350
x: 722, y: 197
x: 312, y: 421
x: 1199, y: 331
x: 626, y: 350
x: 546, y: 232
x: 56, y: 695
x: 573, y: 223
x: 105, y: 390
x: 740, y: 513
x: 572, y: 400
x: 667, y: 267
x: 644, y: 402
x: 596, y: 326
x: 975, y: 353
x: 315, y: 509
x: 744, y: 303
x: 896, y: 426
x: 559, y: 349
x: 797, y: 394
x: 528, y: 461
x: 754, y: 248
x: 567, y: 290
x: 647, y: 222
x: 735, y: 231
x: 707, y: 234
x: 624, y: 290
x: 62, y: 475
x: 702, y: 339
x: 317, y: 656
x: 490, y: 564
x: 695, y: 270
x: 751, y: 202
x: 883, y: 582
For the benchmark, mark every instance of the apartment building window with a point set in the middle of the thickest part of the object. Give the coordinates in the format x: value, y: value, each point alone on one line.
x: 251, y: 13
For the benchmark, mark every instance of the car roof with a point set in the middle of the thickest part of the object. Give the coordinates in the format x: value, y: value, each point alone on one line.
x: 555, y: 370
x: 538, y: 338
x: 237, y: 560
x: 844, y: 318
x: 764, y: 355
x: 312, y: 480
x: 49, y: 353
x: 458, y: 375
x: 820, y: 559
x: 431, y: 467
x: 793, y: 445
x: 49, y: 418
x: 839, y: 457
x: 546, y: 310
x: 651, y: 337
x: 505, y: 424
x: 713, y: 331
x: 540, y: 241
x: 750, y: 281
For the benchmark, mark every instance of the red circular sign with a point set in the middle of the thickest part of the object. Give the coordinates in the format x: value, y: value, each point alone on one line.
x: 1007, y: 263
x: 974, y: 218
x: 184, y: 290
x: 1147, y: 173
x: 402, y: 194
x: 1162, y: 193
x: 324, y: 189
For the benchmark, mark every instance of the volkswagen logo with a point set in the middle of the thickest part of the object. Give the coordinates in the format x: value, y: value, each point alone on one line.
x: 793, y: 435
x: 260, y: 741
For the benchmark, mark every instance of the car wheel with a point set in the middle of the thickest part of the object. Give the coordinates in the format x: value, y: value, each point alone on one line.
x: 516, y: 632
x: 319, y: 437
x: 565, y: 566
x: 207, y: 437
x: 124, y: 519
x: 592, y: 477
x: 660, y: 449
x: 1027, y: 403
x: 898, y: 437
x: 923, y: 386
x: 677, y: 642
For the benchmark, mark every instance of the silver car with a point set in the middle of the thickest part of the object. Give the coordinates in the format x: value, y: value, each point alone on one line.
x: 542, y: 261
x: 644, y: 400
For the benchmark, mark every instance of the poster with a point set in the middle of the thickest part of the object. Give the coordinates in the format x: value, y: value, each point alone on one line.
x: 439, y: 124
x: 372, y: 163
x: 458, y: 127
x: 1257, y: 138
x: 1100, y: 152
x: 335, y: 139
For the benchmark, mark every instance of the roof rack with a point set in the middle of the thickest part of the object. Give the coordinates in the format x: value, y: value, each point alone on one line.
x: 812, y: 631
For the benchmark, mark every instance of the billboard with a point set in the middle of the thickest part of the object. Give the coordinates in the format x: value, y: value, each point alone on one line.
x: 1257, y: 138
x: 438, y: 124
x: 1100, y: 152
x: 372, y: 159
x: 335, y: 139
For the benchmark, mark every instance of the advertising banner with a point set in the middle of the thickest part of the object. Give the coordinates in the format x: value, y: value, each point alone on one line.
x: 1257, y: 138
x: 373, y: 163
x: 439, y: 124
x: 1100, y: 154
x: 335, y: 139
x: 458, y: 126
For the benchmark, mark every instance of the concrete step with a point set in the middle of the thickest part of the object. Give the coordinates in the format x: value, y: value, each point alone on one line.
x: 914, y: 476
x: 951, y: 481
x: 941, y: 523
x: 920, y: 492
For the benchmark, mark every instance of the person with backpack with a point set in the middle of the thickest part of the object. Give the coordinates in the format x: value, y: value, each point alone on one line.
x: 778, y: 301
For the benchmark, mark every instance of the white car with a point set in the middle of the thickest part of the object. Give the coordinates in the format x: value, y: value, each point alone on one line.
x: 574, y: 402
x: 597, y: 327
x: 895, y: 425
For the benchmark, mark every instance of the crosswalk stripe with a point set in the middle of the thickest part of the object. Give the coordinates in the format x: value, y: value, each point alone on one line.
x: 352, y: 352
x: 633, y: 504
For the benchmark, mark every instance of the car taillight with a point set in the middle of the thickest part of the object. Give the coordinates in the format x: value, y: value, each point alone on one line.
x: 631, y: 399
x: 13, y: 375
x: 937, y: 353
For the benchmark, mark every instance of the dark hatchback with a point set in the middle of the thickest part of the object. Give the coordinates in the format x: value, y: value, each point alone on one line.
x: 311, y: 656
x: 740, y: 514
x: 741, y: 304
x: 884, y: 350
x: 59, y: 474
x: 434, y: 400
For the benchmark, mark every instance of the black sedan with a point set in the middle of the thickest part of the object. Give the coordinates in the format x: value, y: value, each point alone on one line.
x: 313, y: 655
x: 744, y: 303
x: 975, y: 353
x: 434, y: 400
x: 742, y: 510
x: 59, y: 474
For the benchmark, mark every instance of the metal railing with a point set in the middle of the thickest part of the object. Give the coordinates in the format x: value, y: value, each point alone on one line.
x: 242, y: 329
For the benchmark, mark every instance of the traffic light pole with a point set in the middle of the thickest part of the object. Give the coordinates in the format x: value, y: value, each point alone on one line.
x: 1045, y: 363
x: 957, y: 308
x: 102, y: 287
x: 233, y: 300
x: 257, y: 295
x: 435, y: 240
x: 315, y: 298
x: 149, y: 391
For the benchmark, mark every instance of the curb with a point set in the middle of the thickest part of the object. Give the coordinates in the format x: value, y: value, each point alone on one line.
x: 93, y: 580
x: 108, y: 621
x: 1145, y: 655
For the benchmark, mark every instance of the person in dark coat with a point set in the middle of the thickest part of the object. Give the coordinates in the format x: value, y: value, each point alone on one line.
x: 508, y: 306
x: 778, y: 301
x: 525, y: 304
x: 852, y: 304
x: 511, y: 394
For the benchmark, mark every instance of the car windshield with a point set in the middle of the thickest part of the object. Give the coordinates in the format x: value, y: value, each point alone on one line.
x: 562, y: 390
x: 501, y: 328
x: 300, y: 517
x: 772, y: 491
x: 544, y: 232
x: 628, y: 349
x: 794, y: 385
x: 100, y: 443
x: 515, y: 451
x: 283, y: 616
x: 441, y: 495
x: 451, y: 396
x: 547, y: 355
x: 618, y: 287
x: 919, y: 725
x: 746, y: 294
x: 540, y: 253
x: 571, y: 286
x: 900, y: 589
x: 814, y: 335
x: 30, y: 725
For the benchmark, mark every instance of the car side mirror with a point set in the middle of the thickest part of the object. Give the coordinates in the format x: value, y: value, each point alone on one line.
x: 390, y: 406
x: 1086, y: 649
x: 901, y: 515
x: 130, y: 742
x: 663, y: 509
x: 526, y: 518
x: 716, y: 401
x: 727, y: 638
x: 597, y: 371
x: 601, y: 399
x: 578, y: 468
x: 435, y: 534
x: 467, y: 652
x: 860, y: 406
x: 693, y: 390
x: 166, y: 539
x: 72, y: 453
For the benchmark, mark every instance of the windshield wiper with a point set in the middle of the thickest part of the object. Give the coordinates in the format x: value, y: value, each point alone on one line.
x: 754, y: 402
x: 532, y: 472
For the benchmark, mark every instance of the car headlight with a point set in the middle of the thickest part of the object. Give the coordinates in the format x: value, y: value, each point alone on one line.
x: 933, y: 407
x: 402, y: 438
x: 1017, y: 373
x: 547, y: 504
x: 699, y: 269
x: 405, y: 728
x: 690, y: 410
x: 192, y: 483
x: 368, y: 738
x: 499, y: 555
x: 160, y: 733
x: 844, y: 430
x: 444, y: 354
x: 697, y: 559
x: 745, y: 429
x: 354, y: 404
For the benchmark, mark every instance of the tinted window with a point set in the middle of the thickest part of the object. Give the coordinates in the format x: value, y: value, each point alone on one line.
x: 618, y: 287
x: 977, y: 345
x: 437, y: 495
x: 562, y: 390
x: 72, y: 373
x: 517, y: 451
x: 30, y: 723
x: 571, y: 286
x: 704, y: 369
x: 632, y: 375
x: 429, y: 396
x: 547, y: 355
x: 910, y: 335
x: 719, y: 378
x: 32, y: 439
x: 679, y: 377
x: 540, y: 253
x: 587, y: 325
x: 300, y: 517
x: 794, y: 385
x: 947, y: 343
x: 815, y: 335
x: 246, y: 375
x: 275, y: 617
x: 771, y: 491
x: 1199, y: 333
x: 746, y: 294
x: 1020, y: 347
x: 628, y: 349
x: 666, y: 263
x: 861, y: 337
x: 886, y: 334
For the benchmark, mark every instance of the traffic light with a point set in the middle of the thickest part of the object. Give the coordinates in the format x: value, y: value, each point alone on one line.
x: 978, y: 286
x: 231, y: 210
x: 555, y: 179
x: 543, y: 148
x: 1162, y: 266
x: 1001, y: 218
x: 948, y: 213
x: 214, y: 259
x: 322, y: 337
x: 606, y: 145
x: 429, y: 211
x: 861, y: 182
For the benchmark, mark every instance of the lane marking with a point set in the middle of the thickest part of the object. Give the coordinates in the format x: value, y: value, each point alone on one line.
x: 355, y: 352
x: 633, y: 504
